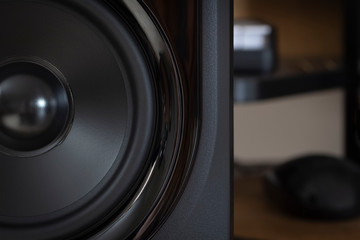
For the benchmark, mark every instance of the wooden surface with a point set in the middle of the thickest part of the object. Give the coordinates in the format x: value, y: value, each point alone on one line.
x: 305, y: 28
x: 256, y: 218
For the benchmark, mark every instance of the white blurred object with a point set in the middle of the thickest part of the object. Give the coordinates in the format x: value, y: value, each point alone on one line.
x: 254, y: 46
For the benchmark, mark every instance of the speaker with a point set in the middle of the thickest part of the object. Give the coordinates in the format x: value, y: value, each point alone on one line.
x: 115, y: 119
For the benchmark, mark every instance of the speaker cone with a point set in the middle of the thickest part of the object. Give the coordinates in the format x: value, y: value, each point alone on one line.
x: 90, y: 118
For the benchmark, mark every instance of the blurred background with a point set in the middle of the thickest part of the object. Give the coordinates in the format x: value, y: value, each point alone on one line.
x: 276, y: 123
x: 290, y: 100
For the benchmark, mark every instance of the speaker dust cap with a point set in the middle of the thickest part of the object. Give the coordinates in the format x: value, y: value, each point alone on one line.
x: 36, y: 107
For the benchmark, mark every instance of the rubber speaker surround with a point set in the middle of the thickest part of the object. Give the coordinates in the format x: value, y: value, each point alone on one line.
x: 124, y: 134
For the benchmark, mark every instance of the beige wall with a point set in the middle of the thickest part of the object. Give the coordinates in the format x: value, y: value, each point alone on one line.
x: 275, y: 130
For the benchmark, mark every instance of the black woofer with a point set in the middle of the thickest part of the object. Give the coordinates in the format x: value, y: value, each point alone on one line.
x: 80, y: 117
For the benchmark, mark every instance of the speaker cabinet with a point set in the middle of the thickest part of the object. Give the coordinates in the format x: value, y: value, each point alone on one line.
x: 115, y: 119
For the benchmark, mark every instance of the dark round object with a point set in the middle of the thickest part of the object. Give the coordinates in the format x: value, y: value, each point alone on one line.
x: 316, y: 186
x: 35, y: 107
x: 28, y: 106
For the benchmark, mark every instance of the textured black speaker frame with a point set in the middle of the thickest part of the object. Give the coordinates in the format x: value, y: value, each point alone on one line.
x: 205, y: 208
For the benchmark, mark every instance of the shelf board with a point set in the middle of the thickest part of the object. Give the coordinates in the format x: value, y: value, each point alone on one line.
x: 293, y: 76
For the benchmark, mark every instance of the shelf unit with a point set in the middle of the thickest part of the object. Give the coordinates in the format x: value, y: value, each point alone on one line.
x: 310, y: 48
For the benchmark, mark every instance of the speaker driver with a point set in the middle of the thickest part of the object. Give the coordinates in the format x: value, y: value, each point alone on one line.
x: 90, y: 118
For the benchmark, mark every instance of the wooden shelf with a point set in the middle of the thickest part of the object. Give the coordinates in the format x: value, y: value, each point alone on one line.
x: 305, y: 30
x: 292, y: 76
